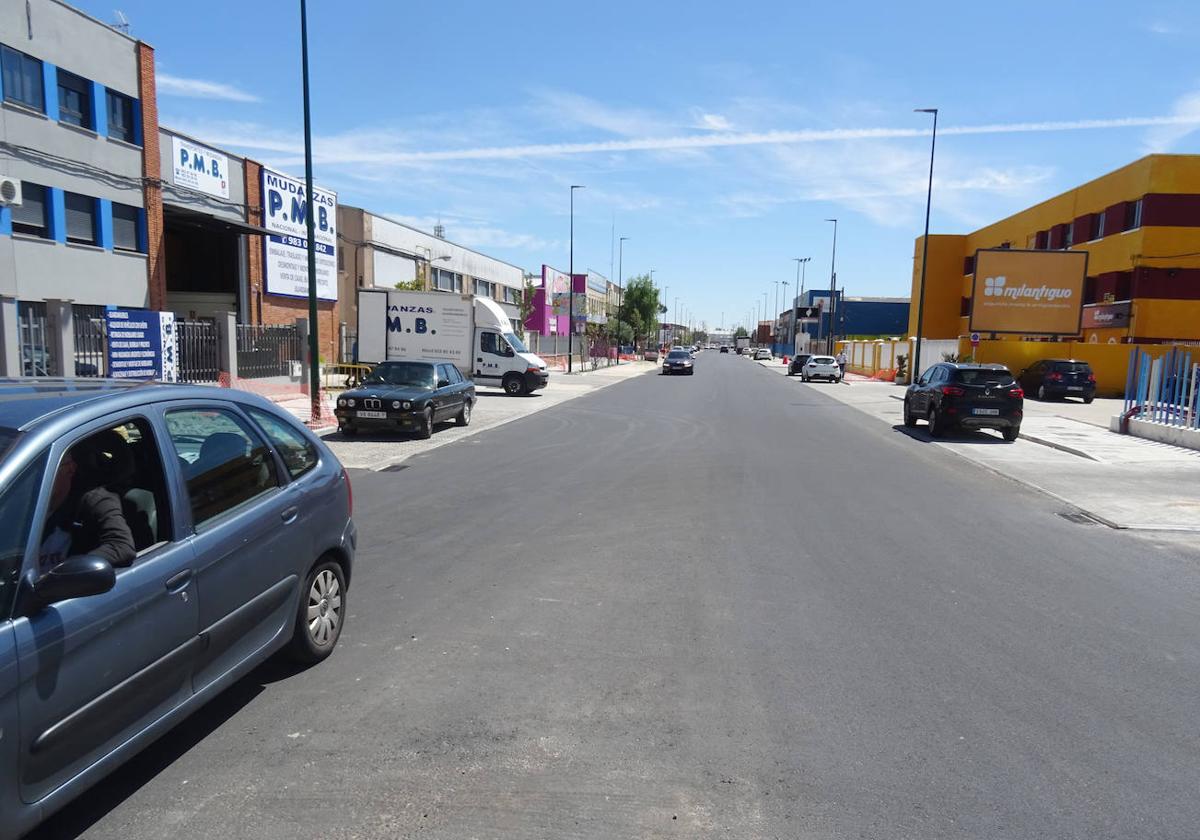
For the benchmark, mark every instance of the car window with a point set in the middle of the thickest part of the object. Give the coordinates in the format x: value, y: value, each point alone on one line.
x: 7, y: 437
x: 984, y: 376
x: 223, y: 461
x: 401, y: 374
x: 456, y: 377
x: 298, y: 453
x: 17, y: 504
x: 677, y: 354
x: 1073, y: 367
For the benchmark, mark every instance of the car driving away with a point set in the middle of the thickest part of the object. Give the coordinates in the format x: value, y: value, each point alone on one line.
x: 821, y: 367
x: 952, y: 396
x: 406, y: 396
x: 1054, y: 379
x: 796, y: 365
x: 678, y: 361
x: 762, y: 354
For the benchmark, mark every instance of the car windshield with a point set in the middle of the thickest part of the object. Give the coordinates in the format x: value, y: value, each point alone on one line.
x: 402, y: 374
x: 822, y: 360
x: 678, y: 354
x: 981, y: 376
x: 516, y: 342
x: 1072, y: 367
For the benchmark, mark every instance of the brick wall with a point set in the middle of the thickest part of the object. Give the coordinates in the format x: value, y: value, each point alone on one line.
x: 156, y: 262
x: 252, y: 176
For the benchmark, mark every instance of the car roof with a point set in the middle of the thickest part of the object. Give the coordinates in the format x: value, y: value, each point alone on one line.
x: 26, y: 402
x: 1065, y: 361
x: 974, y: 366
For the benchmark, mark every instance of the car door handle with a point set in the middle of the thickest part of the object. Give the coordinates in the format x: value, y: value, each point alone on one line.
x: 177, y: 583
x: 289, y: 514
x: 479, y: 359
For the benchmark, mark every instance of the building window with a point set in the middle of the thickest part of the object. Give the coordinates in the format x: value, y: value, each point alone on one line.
x: 22, y: 78
x: 30, y: 216
x: 120, y: 117
x: 74, y: 100
x: 125, y: 227
x: 483, y: 288
x: 447, y: 281
x: 81, y: 219
x: 1097, y: 226
x: 512, y: 295
x: 1068, y: 236
x: 969, y: 265
x: 1042, y: 240
x: 1133, y: 215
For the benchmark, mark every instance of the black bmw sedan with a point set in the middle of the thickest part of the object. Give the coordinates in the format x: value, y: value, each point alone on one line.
x: 407, y: 396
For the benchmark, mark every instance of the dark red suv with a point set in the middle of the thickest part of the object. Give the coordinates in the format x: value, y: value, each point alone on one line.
x: 959, y: 396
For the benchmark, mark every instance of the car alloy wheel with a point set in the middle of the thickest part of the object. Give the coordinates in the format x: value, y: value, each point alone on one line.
x: 320, y: 614
x: 935, y: 423
x: 1042, y: 393
x: 464, y: 416
x: 425, y: 432
x: 909, y: 419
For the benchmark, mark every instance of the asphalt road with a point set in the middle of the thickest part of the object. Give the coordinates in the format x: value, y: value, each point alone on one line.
x: 712, y: 606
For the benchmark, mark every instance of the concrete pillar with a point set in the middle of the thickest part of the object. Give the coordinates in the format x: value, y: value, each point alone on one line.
x: 227, y: 343
x: 60, y: 336
x: 305, y: 360
x: 10, y: 338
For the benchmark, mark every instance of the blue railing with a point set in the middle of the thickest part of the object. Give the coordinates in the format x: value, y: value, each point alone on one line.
x: 1163, y: 390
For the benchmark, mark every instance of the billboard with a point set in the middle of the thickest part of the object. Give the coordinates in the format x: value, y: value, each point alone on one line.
x: 285, y: 255
x: 1031, y: 292
x: 140, y: 344
x: 199, y: 168
x: 1102, y: 315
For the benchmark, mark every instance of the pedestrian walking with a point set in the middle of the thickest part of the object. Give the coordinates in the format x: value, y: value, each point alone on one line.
x: 841, y: 360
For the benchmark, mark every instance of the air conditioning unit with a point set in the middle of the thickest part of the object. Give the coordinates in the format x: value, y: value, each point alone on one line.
x: 10, y: 192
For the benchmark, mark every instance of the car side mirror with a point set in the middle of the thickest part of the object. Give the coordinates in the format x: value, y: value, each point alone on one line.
x: 75, y: 577
x: 443, y: 383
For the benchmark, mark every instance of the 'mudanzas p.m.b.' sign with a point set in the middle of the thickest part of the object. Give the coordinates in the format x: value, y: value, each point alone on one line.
x: 285, y: 254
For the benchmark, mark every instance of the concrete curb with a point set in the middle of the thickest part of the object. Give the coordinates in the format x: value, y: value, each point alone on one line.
x: 1061, y: 447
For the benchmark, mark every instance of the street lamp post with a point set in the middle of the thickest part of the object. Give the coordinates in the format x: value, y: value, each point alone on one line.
x: 785, y: 285
x: 832, y: 290
x: 801, y: 266
x: 620, y: 290
x: 775, y: 317
x: 916, y: 365
x: 314, y: 331
x: 764, y: 317
x: 571, y: 283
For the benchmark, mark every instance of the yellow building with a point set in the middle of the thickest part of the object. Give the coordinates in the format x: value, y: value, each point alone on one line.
x: 1141, y: 228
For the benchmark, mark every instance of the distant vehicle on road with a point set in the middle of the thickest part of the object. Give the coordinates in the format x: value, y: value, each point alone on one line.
x: 407, y: 396
x: 651, y: 355
x: 796, y: 365
x: 678, y: 361
x: 724, y: 348
x: 747, y: 352
x: 742, y: 343
x: 762, y: 354
x: 1053, y: 379
x: 185, y: 535
x: 821, y: 367
x: 960, y: 396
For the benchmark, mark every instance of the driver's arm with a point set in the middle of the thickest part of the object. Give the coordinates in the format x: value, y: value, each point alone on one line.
x: 100, y: 510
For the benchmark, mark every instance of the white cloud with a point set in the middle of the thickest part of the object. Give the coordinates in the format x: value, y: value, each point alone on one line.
x: 1159, y: 27
x: 201, y: 89
x: 712, y: 122
x: 1161, y: 138
x: 474, y: 234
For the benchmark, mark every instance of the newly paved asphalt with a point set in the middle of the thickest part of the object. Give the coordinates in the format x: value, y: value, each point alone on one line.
x: 712, y: 606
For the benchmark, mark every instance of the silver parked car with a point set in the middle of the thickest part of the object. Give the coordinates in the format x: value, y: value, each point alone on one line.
x: 156, y: 543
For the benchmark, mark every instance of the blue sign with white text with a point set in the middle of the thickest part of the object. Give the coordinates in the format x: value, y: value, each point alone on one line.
x: 140, y: 344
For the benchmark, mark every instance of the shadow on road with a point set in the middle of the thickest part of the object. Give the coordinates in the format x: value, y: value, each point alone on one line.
x: 84, y: 812
x: 382, y: 437
x: 507, y: 396
x: 921, y: 433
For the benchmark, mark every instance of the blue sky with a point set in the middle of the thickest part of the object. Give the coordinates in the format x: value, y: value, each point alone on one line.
x: 718, y: 136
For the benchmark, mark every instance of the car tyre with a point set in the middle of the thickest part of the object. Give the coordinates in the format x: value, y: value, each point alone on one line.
x: 347, y: 431
x: 513, y: 385
x: 425, y: 432
x: 1011, y: 434
x: 1088, y: 400
x: 464, y: 416
x: 909, y: 419
x: 937, y: 428
x: 320, y: 614
x: 692, y: 372
x: 1042, y: 393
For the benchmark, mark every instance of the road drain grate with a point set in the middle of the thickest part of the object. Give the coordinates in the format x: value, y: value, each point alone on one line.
x: 395, y: 468
x: 1080, y: 518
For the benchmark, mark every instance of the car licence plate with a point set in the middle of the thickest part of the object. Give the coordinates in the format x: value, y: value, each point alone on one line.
x: 990, y: 412
x: 372, y: 415
x: 1074, y: 387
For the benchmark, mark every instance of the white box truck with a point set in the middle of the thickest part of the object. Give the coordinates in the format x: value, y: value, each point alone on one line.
x: 472, y: 332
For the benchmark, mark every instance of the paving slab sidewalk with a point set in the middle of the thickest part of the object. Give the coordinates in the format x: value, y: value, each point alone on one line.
x: 1122, y: 481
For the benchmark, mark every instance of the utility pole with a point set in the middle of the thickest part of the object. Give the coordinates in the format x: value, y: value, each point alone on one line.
x: 314, y: 327
x: 620, y: 292
x: 832, y: 291
x: 571, y: 284
x: 775, y: 318
x: 915, y: 370
x: 801, y: 266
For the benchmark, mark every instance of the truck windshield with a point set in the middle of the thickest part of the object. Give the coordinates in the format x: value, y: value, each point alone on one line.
x: 402, y: 374
x: 516, y: 343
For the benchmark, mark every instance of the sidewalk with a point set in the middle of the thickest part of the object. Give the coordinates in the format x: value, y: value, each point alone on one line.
x: 493, y: 408
x: 1122, y: 481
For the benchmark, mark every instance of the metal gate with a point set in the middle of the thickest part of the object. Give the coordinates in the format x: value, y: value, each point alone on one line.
x: 35, y: 349
x: 196, y: 345
x: 89, y: 339
x: 266, y: 350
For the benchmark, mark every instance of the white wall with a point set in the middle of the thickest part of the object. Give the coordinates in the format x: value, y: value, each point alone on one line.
x: 388, y: 269
x: 461, y: 260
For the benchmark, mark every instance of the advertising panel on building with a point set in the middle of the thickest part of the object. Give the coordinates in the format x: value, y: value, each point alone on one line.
x: 199, y: 168
x: 1101, y: 315
x: 1029, y: 292
x: 285, y: 256
x: 140, y: 344
x: 557, y: 285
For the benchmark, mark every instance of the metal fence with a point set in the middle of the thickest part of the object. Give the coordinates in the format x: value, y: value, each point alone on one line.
x: 196, y: 345
x: 265, y: 351
x: 34, y: 339
x: 1163, y: 390
x: 89, y: 339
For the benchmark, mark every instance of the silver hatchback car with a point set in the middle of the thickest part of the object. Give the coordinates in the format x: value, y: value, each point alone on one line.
x: 156, y: 543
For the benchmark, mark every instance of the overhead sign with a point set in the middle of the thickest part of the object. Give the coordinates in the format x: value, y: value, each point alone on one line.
x: 285, y: 255
x: 199, y: 168
x: 1098, y: 316
x: 1030, y: 292
x: 140, y: 344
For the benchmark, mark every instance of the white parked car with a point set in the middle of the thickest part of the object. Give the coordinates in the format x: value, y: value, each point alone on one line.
x: 762, y: 354
x: 822, y: 367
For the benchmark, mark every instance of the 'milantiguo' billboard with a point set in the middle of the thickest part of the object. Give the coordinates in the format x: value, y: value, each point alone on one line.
x: 1028, y: 292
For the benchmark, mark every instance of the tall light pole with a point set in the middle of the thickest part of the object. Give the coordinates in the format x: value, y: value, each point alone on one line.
x: 775, y: 316
x: 764, y: 317
x: 832, y: 289
x: 314, y: 331
x: 620, y: 291
x: 915, y: 370
x: 571, y: 283
x: 801, y: 266
x: 785, y: 285
x: 674, y: 319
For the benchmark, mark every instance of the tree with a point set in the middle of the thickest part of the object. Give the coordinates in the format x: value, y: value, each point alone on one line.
x: 641, y: 306
x: 739, y: 332
x: 621, y: 331
x: 414, y: 285
x: 526, y: 303
x: 700, y: 337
